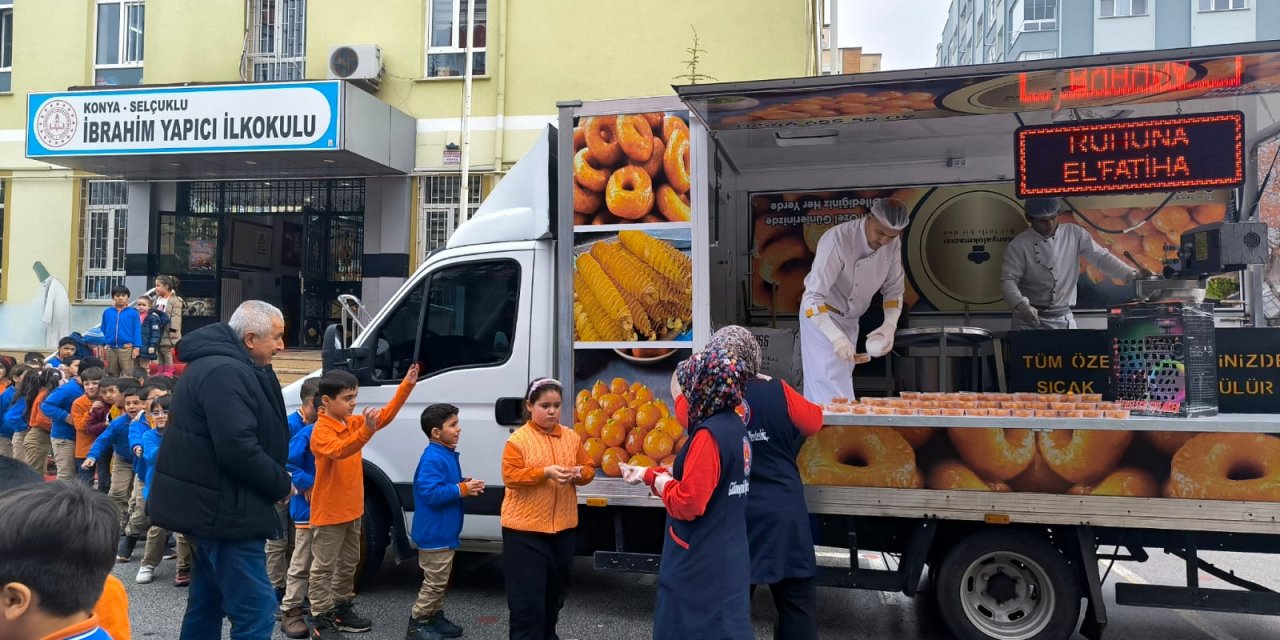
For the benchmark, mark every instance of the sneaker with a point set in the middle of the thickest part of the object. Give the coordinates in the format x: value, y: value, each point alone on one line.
x: 170, y: 554
x: 127, y: 545
x: 421, y: 630
x: 348, y: 620
x: 294, y: 624
x: 182, y: 578
x: 443, y: 626
x: 325, y: 627
x: 145, y: 574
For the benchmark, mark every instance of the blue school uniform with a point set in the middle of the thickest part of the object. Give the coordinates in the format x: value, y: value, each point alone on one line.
x: 437, y: 499
x: 57, y: 406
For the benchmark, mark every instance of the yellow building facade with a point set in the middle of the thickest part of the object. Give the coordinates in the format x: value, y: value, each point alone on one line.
x: 71, y: 234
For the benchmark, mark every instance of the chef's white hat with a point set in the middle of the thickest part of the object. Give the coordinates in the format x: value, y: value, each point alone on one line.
x: 1040, y: 208
x: 891, y: 212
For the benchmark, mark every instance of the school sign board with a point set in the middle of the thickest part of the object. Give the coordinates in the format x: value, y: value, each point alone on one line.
x: 138, y: 132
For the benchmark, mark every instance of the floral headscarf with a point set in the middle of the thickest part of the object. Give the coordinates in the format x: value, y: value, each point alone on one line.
x: 712, y: 381
x: 740, y: 342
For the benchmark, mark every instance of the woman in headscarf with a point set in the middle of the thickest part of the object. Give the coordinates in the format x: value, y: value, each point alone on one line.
x: 778, y: 419
x: 704, y: 579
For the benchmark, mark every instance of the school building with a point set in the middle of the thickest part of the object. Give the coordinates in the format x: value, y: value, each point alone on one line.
x: 299, y: 150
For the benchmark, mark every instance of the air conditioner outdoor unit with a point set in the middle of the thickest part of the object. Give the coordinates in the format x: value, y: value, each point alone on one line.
x: 359, y: 63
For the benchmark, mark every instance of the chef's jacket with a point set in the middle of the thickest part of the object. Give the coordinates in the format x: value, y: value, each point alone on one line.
x: 1044, y: 271
x: 846, y: 273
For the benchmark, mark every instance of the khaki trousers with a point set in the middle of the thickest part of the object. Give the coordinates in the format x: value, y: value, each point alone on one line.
x: 164, y: 354
x: 6, y: 447
x: 121, y: 488
x: 295, y: 586
x: 138, y: 520
x: 64, y: 457
x: 278, y: 550
x: 335, y: 554
x: 20, y: 446
x: 38, y: 447
x: 153, y: 553
x: 436, y: 566
x: 120, y: 361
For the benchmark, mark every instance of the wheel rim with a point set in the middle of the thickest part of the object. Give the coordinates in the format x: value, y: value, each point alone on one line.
x: 1007, y: 596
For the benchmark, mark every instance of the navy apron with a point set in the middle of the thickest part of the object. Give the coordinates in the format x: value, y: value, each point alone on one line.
x: 704, y: 579
x: 778, y: 530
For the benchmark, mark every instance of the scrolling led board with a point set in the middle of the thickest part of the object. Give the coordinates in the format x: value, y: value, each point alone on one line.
x: 1174, y: 153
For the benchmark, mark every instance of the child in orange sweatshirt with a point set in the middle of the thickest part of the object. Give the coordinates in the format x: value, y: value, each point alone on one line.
x: 337, y: 498
x: 89, y: 417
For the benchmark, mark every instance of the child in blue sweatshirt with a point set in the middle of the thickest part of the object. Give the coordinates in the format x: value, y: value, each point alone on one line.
x: 122, y: 333
x: 9, y: 402
x: 116, y: 438
x: 62, y: 432
x: 302, y: 474
x: 153, y: 552
x: 438, y: 490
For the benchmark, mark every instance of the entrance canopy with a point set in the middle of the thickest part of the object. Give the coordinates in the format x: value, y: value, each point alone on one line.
x: 221, y: 131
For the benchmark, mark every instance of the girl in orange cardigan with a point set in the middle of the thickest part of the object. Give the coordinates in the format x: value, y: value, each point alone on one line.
x: 542, y: 465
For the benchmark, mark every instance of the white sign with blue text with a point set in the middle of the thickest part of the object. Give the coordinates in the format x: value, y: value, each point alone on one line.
x: 290, y: 116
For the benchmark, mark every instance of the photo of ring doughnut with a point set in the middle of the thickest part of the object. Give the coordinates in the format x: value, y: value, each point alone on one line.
x: 633, y: 286
x: 631, y: 168
x: 1136, y: 464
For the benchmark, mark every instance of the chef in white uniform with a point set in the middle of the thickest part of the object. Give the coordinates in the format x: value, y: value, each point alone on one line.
x: 1042, y: 266
x: 854, y: 260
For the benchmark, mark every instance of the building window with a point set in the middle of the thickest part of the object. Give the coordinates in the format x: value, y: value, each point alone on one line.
x: 991, y: 53
x: 1037, y: 55
x: 105, y: 204
x: 1223, y: 5
x: 1037, y: 15
x: 1123, y: 8
x: 447, y: 38
x: 119, y: 48
x: 277, y: 42
x: 440, y: 213
x: 6, y: 46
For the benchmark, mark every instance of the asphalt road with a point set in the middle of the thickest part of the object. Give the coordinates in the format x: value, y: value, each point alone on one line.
x: 620, y: 607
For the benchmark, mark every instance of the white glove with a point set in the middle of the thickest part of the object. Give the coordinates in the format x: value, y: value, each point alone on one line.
x: 660, y: 483
x: 844, y: 349
x: 1027, y: 313
x: 880, y: 341
x: 632, y: 474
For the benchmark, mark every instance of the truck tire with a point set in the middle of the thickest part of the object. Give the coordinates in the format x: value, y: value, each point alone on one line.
x: 1007, y: 585
x: 375, y: 536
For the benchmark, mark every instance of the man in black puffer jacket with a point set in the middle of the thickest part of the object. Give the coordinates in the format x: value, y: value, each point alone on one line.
x: 221, y: 470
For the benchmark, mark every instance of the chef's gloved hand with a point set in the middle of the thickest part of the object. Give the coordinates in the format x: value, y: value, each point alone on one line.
x: 1027, y: 313
x: 631, y: 474
x: 880, y: 341
x: 844, y: 349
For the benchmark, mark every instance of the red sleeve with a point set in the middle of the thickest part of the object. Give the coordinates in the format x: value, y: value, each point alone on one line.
x: 806, y: 415
x: 687, y: 499
x: 682, y: 411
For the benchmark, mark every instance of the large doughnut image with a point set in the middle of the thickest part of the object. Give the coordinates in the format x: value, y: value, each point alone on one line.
x: 1079, y: 456
x: 1125, y: 481
x: 779, y: 253
x: 629, y: 193
x: 916, y: 436
x: 610, y: 149
x: 653, y: 165
x: 994, y: 453
x: 675, y: 160
x: 588, y: 172
x: 584, y: 200
x: 1227, y: 466
x: 1168, y: 442
x: 636, y: 137
x: 859, y: 457
x: 952, y: 475
x: 602, y: 139
x: 1039, y: 478
x: 674, y: 206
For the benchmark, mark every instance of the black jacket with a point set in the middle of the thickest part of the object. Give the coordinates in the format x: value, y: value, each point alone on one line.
x: 221, y: 468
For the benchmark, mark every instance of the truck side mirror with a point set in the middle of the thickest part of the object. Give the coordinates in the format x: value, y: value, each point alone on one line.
x: 356, y: 360
x: 509, y: 412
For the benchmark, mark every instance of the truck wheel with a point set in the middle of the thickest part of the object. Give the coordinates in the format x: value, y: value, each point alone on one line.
x: 1007, y: 585
x: 375, y: 536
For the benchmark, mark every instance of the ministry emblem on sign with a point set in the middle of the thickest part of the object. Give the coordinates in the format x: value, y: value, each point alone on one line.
x: 56, y: 123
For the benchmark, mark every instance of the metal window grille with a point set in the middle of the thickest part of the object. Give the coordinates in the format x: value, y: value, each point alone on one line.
x: 102, y: 238
x: 439, y: 213
x: 258, y: 197
x: 276, y: 43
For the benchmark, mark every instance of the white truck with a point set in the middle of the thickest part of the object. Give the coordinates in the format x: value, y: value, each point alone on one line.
x: 762, y: 169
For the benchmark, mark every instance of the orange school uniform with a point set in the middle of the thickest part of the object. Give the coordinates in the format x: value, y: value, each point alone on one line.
x: 532, y: 502
x: 113, y: 609
x: 79, y: 420
x: 338, y: 493
x: 38, y: 419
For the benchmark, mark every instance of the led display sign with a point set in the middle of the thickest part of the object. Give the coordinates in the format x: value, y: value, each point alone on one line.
x: 1174, y: 153
x: 1090, y: 85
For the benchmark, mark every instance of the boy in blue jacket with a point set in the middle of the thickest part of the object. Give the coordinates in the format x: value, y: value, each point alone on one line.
x: 438, y: 490
x: 155, y: 324
x: 122, y: 333
x: 302, y: 473
x: 154, y: 551
x: 62, y: 433
x: 12, y: 404
x: 116, y: 438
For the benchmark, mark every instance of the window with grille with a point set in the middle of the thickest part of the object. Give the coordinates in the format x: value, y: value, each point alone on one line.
x: 276, y: 47
x: 1039, y: 15
x: 1223, y: 5
x: 1123, y: 8
x: 447, y: 38
x: 105, y: 206
x: 439, y: 213
x: 118, y: 51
